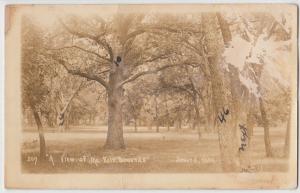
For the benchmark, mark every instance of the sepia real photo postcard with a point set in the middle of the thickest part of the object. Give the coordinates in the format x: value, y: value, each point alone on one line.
x: 151, y: 96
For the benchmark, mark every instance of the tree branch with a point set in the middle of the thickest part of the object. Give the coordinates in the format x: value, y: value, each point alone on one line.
x: 82, y: 74
x: 97, y: 39
x: 104, y: 71
x: 82, y: 49
x: 181, y: 88
x: 71, y: 98
x: 134, y: 77
x: 145, y: 29
x: 160, y: 56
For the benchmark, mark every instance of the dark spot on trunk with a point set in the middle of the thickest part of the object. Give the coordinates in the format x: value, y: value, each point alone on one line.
x: 119, y: 59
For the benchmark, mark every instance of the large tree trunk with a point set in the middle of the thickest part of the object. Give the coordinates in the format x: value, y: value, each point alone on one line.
x: 114, y: 139
x: 263, y: 113
x: 235, y: 91
x: 264, y: 120
x: 226, y: 131
x: 265, y: 123
x: 240, y: 113
x: 41, y: 134
x: 233, y: 74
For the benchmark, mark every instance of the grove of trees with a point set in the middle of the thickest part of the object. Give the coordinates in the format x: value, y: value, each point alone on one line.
x: 204, y: 72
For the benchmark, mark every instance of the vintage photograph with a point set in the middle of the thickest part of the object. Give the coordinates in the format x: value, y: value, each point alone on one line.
x: 147, y: 89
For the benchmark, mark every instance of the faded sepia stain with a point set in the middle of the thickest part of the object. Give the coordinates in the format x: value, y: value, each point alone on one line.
x: 228, y: 141
x: 10, y: 11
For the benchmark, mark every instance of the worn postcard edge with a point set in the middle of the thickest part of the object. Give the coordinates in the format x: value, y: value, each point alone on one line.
x: 14, y: 178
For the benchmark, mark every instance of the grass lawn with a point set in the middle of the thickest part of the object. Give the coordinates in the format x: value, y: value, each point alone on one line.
x: 172, y: 151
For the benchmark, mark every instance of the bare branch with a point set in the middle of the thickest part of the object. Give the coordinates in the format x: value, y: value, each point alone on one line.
x: 199, y: 52
x: 82, y: 74
x: 97, y: 39
x: 181, y: 88
x: 104, y: 43
x: 72, y: 97
x: 82, y: 49
x: 135, y: 33
x: 77, y: 33
x: 104, y: 71
x: 190, y: 46
x: 144, y: 29
x: 134, y: 77
x: 160, y: 56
